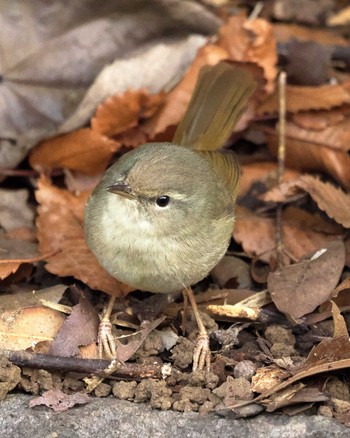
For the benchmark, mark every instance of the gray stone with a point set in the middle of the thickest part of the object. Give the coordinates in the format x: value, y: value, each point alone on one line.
x: 109, y: 417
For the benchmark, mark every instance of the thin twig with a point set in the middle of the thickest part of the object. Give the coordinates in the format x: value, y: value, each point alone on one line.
x: 84, y: 366
x: 282, y: 126
x: 256, y: 11
x: 281, y: 162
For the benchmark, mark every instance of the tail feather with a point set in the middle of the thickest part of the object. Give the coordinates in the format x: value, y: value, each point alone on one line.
x: 218, y: 101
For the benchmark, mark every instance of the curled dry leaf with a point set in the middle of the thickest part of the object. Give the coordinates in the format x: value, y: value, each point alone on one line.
x: 332, y: 200
x: 60, y: 228
x: 251, y: 41
x: 340, y: 328
x: 232, y: 272
x: 285, y: 32
x: 122, y: 112
x: 306, y: 156
x: 298, y: 289
x: 262, y: 174
x: 336, y: 136
x: 21, y: 329
x: 31, y: 298
x: 84, y: 150
x: 79, y: 329
x: 303, y: 233
x: 15, y: 252
x: 300, y: 98
x: 58, y: 401
x: 320, y: 120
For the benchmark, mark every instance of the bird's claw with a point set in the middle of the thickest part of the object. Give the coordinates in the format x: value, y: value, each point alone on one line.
x: 201, y: 353
x: 106, y: 340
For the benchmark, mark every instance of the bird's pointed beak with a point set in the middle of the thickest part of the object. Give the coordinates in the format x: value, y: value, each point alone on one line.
x: 122, y: 189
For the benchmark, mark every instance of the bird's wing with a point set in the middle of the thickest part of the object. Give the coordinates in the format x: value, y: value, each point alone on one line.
x: 217, y: 103
x: 226, y: 166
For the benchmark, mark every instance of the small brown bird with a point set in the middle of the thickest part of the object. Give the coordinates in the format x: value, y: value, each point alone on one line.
x: 162, y: 216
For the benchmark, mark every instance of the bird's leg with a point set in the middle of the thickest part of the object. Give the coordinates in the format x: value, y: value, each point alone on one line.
x: 201, y: 354
x: 105, y: 339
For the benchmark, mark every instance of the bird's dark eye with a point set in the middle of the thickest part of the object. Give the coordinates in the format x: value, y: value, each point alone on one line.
x: 163, y: 201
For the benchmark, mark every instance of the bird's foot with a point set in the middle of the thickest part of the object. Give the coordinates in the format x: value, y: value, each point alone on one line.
x: 106, y: 340
x: 201, y: 354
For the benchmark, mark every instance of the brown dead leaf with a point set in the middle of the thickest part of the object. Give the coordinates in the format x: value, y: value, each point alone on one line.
x: 341, y: 18
x: 23, y: 328
x: 320, y: 120
x: 303, y: 233
x: 232, y: 272
x: 298, y: 289
x: 84, y: 150
x: 340, y: 328
x: 60, y: 228
x: 15, y: 252
x: 31, y: 298
x: 285, y: 32
x: 295, y: 394
x: 124, y: 352
x: 251, y: 41
x: 58, y: 401
x: 335, y: 137
x: 261, y: 173
x: 79, y: 329
x: 301, y: 98
x: 330, y: 199
x: 118, y: 115
x: 306, y: 156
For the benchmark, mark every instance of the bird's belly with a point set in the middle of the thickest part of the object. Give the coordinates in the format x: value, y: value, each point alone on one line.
x: 147, y: 261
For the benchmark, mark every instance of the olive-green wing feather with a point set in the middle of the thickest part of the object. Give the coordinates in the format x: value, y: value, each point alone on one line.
x: 217, y: 103
x: 226, y: 166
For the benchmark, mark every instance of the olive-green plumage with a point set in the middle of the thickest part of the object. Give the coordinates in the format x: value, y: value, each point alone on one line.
x: 162, y: 216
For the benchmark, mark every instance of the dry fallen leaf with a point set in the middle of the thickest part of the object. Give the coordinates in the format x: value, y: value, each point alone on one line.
x: 332, y: 200
x: 84, y: 150
x: 303, y: 233
x: 59, y: 401
x: 322, y: 119
x: 264, y: 173
x: 306, y: 156
x: 284, y: 32
x: 15, y: 252
x: 248, y: 40
x: 31, y: 298
x: 298, y: 289
x: 23, y: 328
x: 79, y: 329
x: 302, y: 98
x: 120, y: 116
